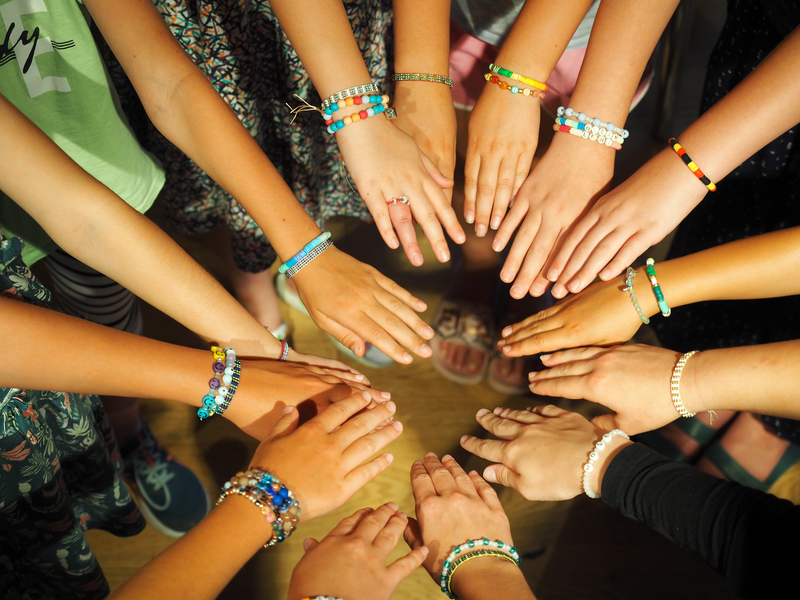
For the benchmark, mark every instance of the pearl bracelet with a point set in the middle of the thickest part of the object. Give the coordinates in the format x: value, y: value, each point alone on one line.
x: 594, y: 455
x: 569, y: 112
x: 675, y: 384
x: 469, y: 547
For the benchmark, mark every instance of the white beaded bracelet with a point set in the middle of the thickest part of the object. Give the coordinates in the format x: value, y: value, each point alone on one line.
x: 675, y: 384
x: 569, y: 112
x: 594, y: 455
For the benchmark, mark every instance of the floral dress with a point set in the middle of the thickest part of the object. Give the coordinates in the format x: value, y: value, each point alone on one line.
x: 243, y: 51
x: 60, y: 476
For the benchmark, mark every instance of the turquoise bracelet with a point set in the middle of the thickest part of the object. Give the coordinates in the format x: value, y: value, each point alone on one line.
x: 306, y: 249
x: 629, y: 275
x: 662, y: 304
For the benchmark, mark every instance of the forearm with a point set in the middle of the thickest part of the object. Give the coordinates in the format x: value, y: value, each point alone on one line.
x: 182, y: 570
x: 422, y: 36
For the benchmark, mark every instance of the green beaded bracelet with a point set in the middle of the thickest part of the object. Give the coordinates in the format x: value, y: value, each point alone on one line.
x: 662, y: 303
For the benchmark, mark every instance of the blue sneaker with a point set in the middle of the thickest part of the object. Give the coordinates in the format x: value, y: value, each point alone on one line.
x: 169, y: 495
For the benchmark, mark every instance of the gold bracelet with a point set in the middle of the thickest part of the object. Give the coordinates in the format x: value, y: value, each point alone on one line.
x: 675, y: 384
x: 477, y: 554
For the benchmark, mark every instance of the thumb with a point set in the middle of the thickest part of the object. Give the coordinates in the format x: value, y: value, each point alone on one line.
x: 607, y: 422
x: 285, y: 425
x: 309, y: 544
x: 412, y: 534
x: 501, y: 474
x: 441, y: 180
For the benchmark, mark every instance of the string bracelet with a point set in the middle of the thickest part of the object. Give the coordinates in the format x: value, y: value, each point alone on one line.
x: 362, y: 115
x: 589, y: 135
x: 630, y: 273
x: 651, y: 274
x: 226, y: 368
x: 691, y: 164
x: 675, y: 384
x: 485, y: 546
x: 600, y: 131
x: 423, y: 77
x: 595, y: 122
x: 517, y: 77
x: 304, y: 252
x: 359, y: 90
x: 513, y: 88
x: 303, y: 262
x: 588, y: 467
x: 470, y: 556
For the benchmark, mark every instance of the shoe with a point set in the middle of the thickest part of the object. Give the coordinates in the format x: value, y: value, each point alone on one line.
x: 729, y: 467
x: 466, y: 324
x: 169, y: 495
x: 693, y: 427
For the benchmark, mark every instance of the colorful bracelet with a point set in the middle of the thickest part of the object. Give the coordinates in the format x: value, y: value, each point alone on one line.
x: 513, y: 88
x: 470, y: 556
x: 600, y: 131
x: 470, y: 547
x: 214, y: 402
x: 594, y: 455
x: 423, y: 77
x: 629, y: 275
x: 284, y: 350
x: 225, y: 395
x: 326, y: 235
x: 651, y: 274
x: 587, y: 134
x: 334, y: 126
x: 675, y: 384
x: 517, y: 77
x: 359, y: 90
x: 355, y: 101
x: 320, y: 598
x: 303, y: 262
x: 570, y: 112
x: 691, y: 164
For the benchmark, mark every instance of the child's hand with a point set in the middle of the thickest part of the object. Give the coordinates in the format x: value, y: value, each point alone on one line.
x: 633, y: 381
x: 571, y: 174
x: 540, y: 452
x: 323, y: 461
x: 351, y: 561
x: 452, y: 508
x: 354, y: 302
x: 600, y: 315
x: 327, y: 363
x: 385, y: 163
x: 503, y: 135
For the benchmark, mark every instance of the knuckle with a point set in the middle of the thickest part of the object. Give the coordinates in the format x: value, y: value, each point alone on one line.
x: 485, y: 189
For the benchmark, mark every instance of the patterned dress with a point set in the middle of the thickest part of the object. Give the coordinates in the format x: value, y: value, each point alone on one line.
x: 61, y: 475
x: 241, y: 48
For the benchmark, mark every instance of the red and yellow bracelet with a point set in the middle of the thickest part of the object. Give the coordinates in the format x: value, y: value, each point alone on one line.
x: 513, y: 88
x: 691, y: 164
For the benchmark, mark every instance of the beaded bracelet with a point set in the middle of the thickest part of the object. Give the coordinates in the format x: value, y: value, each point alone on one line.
x: 691, y: 164
x: 214, y: 400
x: 225, y: 395
x: 320, y: 598
x: 303, y: 262
x: 675, y: 384
x: 334, y: 126
x: 600, y: 131
x: 583, y: 118
x: 630, y: 273
x: 306, y: 249
x: 470, y: 545
x: 356, y: 101
x: 587, y: 134
x: 470, y: 556
x: 594, y: 455
x: 517, y: 77
x: 284, y: 350
x: 359, y: 90
x: 276, y: 501
x: 423, y: 77
x: 651, y: 274
x: 513, y: 88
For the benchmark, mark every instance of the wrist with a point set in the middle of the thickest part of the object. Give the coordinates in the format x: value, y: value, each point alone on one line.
x: 483, y: 576
x: 613, y: 447
x: 691, y: 388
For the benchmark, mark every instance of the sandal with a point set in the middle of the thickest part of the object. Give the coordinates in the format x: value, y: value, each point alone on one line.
x: 719, y: 457
x: 694, y: 428
x: 506, y: 386
x: 469, y: 325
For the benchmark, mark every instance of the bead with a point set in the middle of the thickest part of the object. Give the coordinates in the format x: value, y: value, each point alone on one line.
x: 214, y: 383
x: 243, y: 481
x: 625, y: 133
x: 600, y: 445
x: 347, y: 121
x: 371, y: 112
x: 588, y: 467
x: 569, y: 112
x: 471, y: 544
x: 384, y: 99
x: 363, y: 114
x: 560, y: 111
x: 357, y: 100
x: 503, y: 85
x: 227, y: 379
x: 581, y: 116
x: 208, y: 401
x: 514, y: 89
x: 348, y: 102
x: 355, y: 118
x: 526, y: 92
x: 593, y: 456
x: 222, y: 391
x: 341, y: 104
x: 610, y: 126
x: 202, y: 413
x: 596, y: 122
x: 365, y: 99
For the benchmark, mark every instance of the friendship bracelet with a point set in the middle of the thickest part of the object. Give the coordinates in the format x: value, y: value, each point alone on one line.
x: 600, y: 131
x: 359, y: 90
x: 334, y: 126
x: 303, y: 262
x: 517, y: 77
x: 423, y: 77
x: 214, y: 402
x: 284, y: 350
x: 224, y: 400
x: 320, y: 598
x: 662, y: 304
x: 470, y: 556
x: 306, y: 249
x: 675, y: 384
x: 589, y: 135
x: 570, y: 112
x: 513, y: 88
x: 355, y: 101
x: 594, y: 455
x: 691, y: 164
x: 630, y: 273
x: 469, y: 547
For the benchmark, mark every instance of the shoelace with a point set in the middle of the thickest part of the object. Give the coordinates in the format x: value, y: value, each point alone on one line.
x: 154, y: 472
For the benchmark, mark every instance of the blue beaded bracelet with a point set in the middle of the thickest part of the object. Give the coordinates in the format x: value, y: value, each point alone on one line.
x: 306, y: 249
x: 570, y: 112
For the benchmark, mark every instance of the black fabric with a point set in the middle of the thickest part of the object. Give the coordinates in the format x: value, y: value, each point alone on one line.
x: 749, y: 536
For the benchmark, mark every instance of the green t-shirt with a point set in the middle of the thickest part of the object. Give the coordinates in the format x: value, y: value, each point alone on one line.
x: 51, y: 70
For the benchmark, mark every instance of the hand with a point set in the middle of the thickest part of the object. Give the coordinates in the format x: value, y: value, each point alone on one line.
x: 354, y: 302
x: 322, y: 461
x: 385, y: 162
x: 600, y: 315
x: 503, y: 135
x: 351, y: 561
x: 329, y: 363
x: 626, y: 222
x: 569, y: 177
x: 452, y: 508
x: 540, y: 452
x: 633, y: 381
x: 425, y: 111
x: 267, y: 387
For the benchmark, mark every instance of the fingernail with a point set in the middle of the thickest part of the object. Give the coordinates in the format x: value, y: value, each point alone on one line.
x: 531, y: 375
x: 394, y: 244
x: 497, y: 410
x: 552, y: 275
x: 545, y: 356
x: 605, y: 274
x: 461, y: 238
x: 489, y: 476
x: 506, y: 332
x: 288, y: 409
x: 366, y: 395
x: 416, y: 259
x: 428, y: 333
x: 506, y: 276
x: 423, y: 550
x: 407, y: 358
x: 391, y: 406
x: 558, y: 291
x: 482, y: 413
x: 473, y: 472
x: 398, y: 426
x: 495, y: 222
x: 430, y: 455
x: 402, y: 515
x: 426, y: 350
x: 389, y: 458
x: 501, y: 343
x: 537, y: 289
x: 507, y: 350
x: 574, y: 285
x: 517, y: 292
x: 532, y: 385
x: 469, y: 217
x: 386, y: 395
x: 444, y: 256
x: 359, y: 377
x: 307, y: 543
x: 463, y: 439
x: 447, y: 457
x: 480, y: 230
x: 392, y: 505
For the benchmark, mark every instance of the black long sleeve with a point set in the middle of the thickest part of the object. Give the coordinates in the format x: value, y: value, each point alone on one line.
x: 752, y: 538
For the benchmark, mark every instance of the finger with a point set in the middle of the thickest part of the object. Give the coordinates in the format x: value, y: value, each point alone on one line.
x: 630, y: 251
x: 442, y: 478
x: 611, y: 421
x: 520, y: 416
x: 446, y: 214
x: 599, y: 258
x: 380, y: 212
x: 373, y: 523
x: 515, y: 328
x: 571, y: 387
x: 548, y: 410
x: 489, y: 449
x: 485, y: 491
x: 336, y: 414
x: 397, y: 322
x: 540, y: 284
x: 285, y: 425
x: 366, y: 421
x: 400, y: 215
x: 571, y: 356
x: 403, y: 294
x: 403, y: 567
x: 460, y: 476
x: 424, y: 210
x: 387, y: 538
x: 536, y: 342
x: 368, y: 445
x: 442, y: 180
x: 505, y: 429
x: 412, y: 534
x: 421, y: 483
x: 506, y: 180
x: 347, y: 525
x: 472, y: 167
x: 515, y: 216
x: 362, y: 475
x: 569, y: 247
x: 503, y: 475
x: 487, y: 185
x: 523, y: 169
x: 365, y: 328
x: 538, y: 253
x: 346, y: 336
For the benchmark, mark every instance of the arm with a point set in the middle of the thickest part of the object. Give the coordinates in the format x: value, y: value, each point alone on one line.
x: 641, y: 211
x: 346, y: 298
x: 320, y: 462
